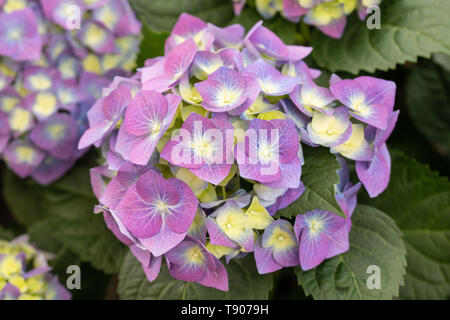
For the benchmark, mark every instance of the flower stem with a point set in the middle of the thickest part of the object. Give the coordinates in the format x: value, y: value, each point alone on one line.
x: 224, y: 193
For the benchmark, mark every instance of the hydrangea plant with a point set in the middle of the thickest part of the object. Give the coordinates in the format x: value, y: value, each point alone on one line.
x: 203, y: 146
x: 329, y: 16
x: 51, y: 73
x: 25, y: 274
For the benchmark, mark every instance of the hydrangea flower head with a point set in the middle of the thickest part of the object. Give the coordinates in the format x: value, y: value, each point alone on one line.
x: 204, y: 145
x: 50, y: 71
x: 25, y: 274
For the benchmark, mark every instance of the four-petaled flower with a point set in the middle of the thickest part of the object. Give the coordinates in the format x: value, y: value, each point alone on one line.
x: 276, y: 248
x: 191, y: 261
x: 321, y: 235
x: 269, y: 153
x: 146, y: 120
x: 158, y: 212
x: 202, y: 147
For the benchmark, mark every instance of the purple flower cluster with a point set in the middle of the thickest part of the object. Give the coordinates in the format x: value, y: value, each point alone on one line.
x: 25, y: 274
x: 50, y: 75
x: 221, y: 107
x: 329, y: 16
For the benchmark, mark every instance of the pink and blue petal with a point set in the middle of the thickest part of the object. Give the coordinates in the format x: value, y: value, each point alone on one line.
x: 271, y: 81
x: 205, y: 63
x: 223, y: 90
x: 154, y: 209
x: 126, y: 176
x: 289, y: 196
x: 150, y: 264
x: 267, y: 42
x: 217, y: 236
x: 321, y: 234
x: 104, y: 115
x: 265, y: 263
x: 370, y: 100
x: 375, y: 174
x: 191, y: 261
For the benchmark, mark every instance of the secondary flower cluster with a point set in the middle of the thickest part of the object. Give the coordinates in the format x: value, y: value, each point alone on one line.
x: 329, y: 16
x: 50, y: 75
x: 202, y: 148
x: 25, y: 274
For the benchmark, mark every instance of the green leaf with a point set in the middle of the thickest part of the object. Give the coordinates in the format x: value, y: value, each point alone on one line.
x: 152, y: 45
x: 443, y: 60
x: 70, y: 204
x: 409, y: 29
x: 418, y: 199
x: 428, y: 102
x: 244, y: 283
x: 42, y: 235
x: 374, y: 240
x: 161, y: 15
x: 6, y: 234
x: 319, y: 176
x: 67, y: 206
x: 22, y: 198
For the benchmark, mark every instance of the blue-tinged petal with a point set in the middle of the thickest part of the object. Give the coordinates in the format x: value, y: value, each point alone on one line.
x: 371, y: 100
x: 265, y: 262
x: 224, y: 90
x: 150, y: 264
x: 270, y: 80
x: 313, y: 249
x: 375, y: 174
x: 205, y: 63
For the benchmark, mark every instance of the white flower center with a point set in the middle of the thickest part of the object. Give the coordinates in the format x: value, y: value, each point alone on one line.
x: 265, y: 153
x: 161, y: 206
x: 155, y: 128
x: 315, y: 226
